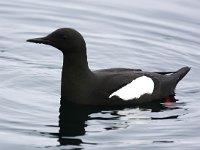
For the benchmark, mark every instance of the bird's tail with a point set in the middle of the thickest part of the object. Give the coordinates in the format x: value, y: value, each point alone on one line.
x: 176, y: 77
x: 180, y: 74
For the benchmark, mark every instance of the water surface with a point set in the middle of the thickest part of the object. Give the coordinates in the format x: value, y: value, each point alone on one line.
x: 152, y: 35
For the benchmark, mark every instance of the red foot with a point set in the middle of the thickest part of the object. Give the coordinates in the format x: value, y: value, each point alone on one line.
x: 168, y: 100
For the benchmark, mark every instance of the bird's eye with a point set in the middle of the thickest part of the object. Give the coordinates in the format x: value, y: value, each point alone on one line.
x: 65, y: 37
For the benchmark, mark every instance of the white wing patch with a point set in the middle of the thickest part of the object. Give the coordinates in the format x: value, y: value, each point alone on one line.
x: 138, y: 87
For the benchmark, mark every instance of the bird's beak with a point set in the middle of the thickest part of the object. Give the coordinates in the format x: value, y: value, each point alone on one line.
x: 42, y: 40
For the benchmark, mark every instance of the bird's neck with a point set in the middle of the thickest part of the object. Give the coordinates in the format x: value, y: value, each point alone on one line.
x: 75, y: 65
x: 76, y: 75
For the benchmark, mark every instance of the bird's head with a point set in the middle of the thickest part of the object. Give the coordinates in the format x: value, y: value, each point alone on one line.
x: 66, y: 40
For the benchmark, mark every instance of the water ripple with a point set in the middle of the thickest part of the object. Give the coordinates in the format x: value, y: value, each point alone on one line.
x: 152, y: 35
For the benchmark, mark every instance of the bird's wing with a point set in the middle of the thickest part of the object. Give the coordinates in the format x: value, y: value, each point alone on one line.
x: 116, y: 70
x: 120, y: 70
x: 165, y: 73
x: 113, y: 81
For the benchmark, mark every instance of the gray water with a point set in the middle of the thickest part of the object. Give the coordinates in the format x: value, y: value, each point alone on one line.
x: 154, y: 35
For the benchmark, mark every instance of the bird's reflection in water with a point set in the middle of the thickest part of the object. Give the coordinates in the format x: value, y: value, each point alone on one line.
x: 73, y: 119
x: 72, y: 122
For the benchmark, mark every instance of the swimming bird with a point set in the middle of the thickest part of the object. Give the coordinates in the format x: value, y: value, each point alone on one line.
x: 106, y: 87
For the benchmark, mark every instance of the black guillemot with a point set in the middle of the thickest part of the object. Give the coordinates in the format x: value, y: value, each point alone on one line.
x: 106, y: 87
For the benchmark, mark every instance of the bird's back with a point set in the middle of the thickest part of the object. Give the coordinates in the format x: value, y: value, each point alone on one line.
x: 111, y: 80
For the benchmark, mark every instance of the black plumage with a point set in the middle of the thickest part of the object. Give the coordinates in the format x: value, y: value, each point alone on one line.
x: 80, y: 85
